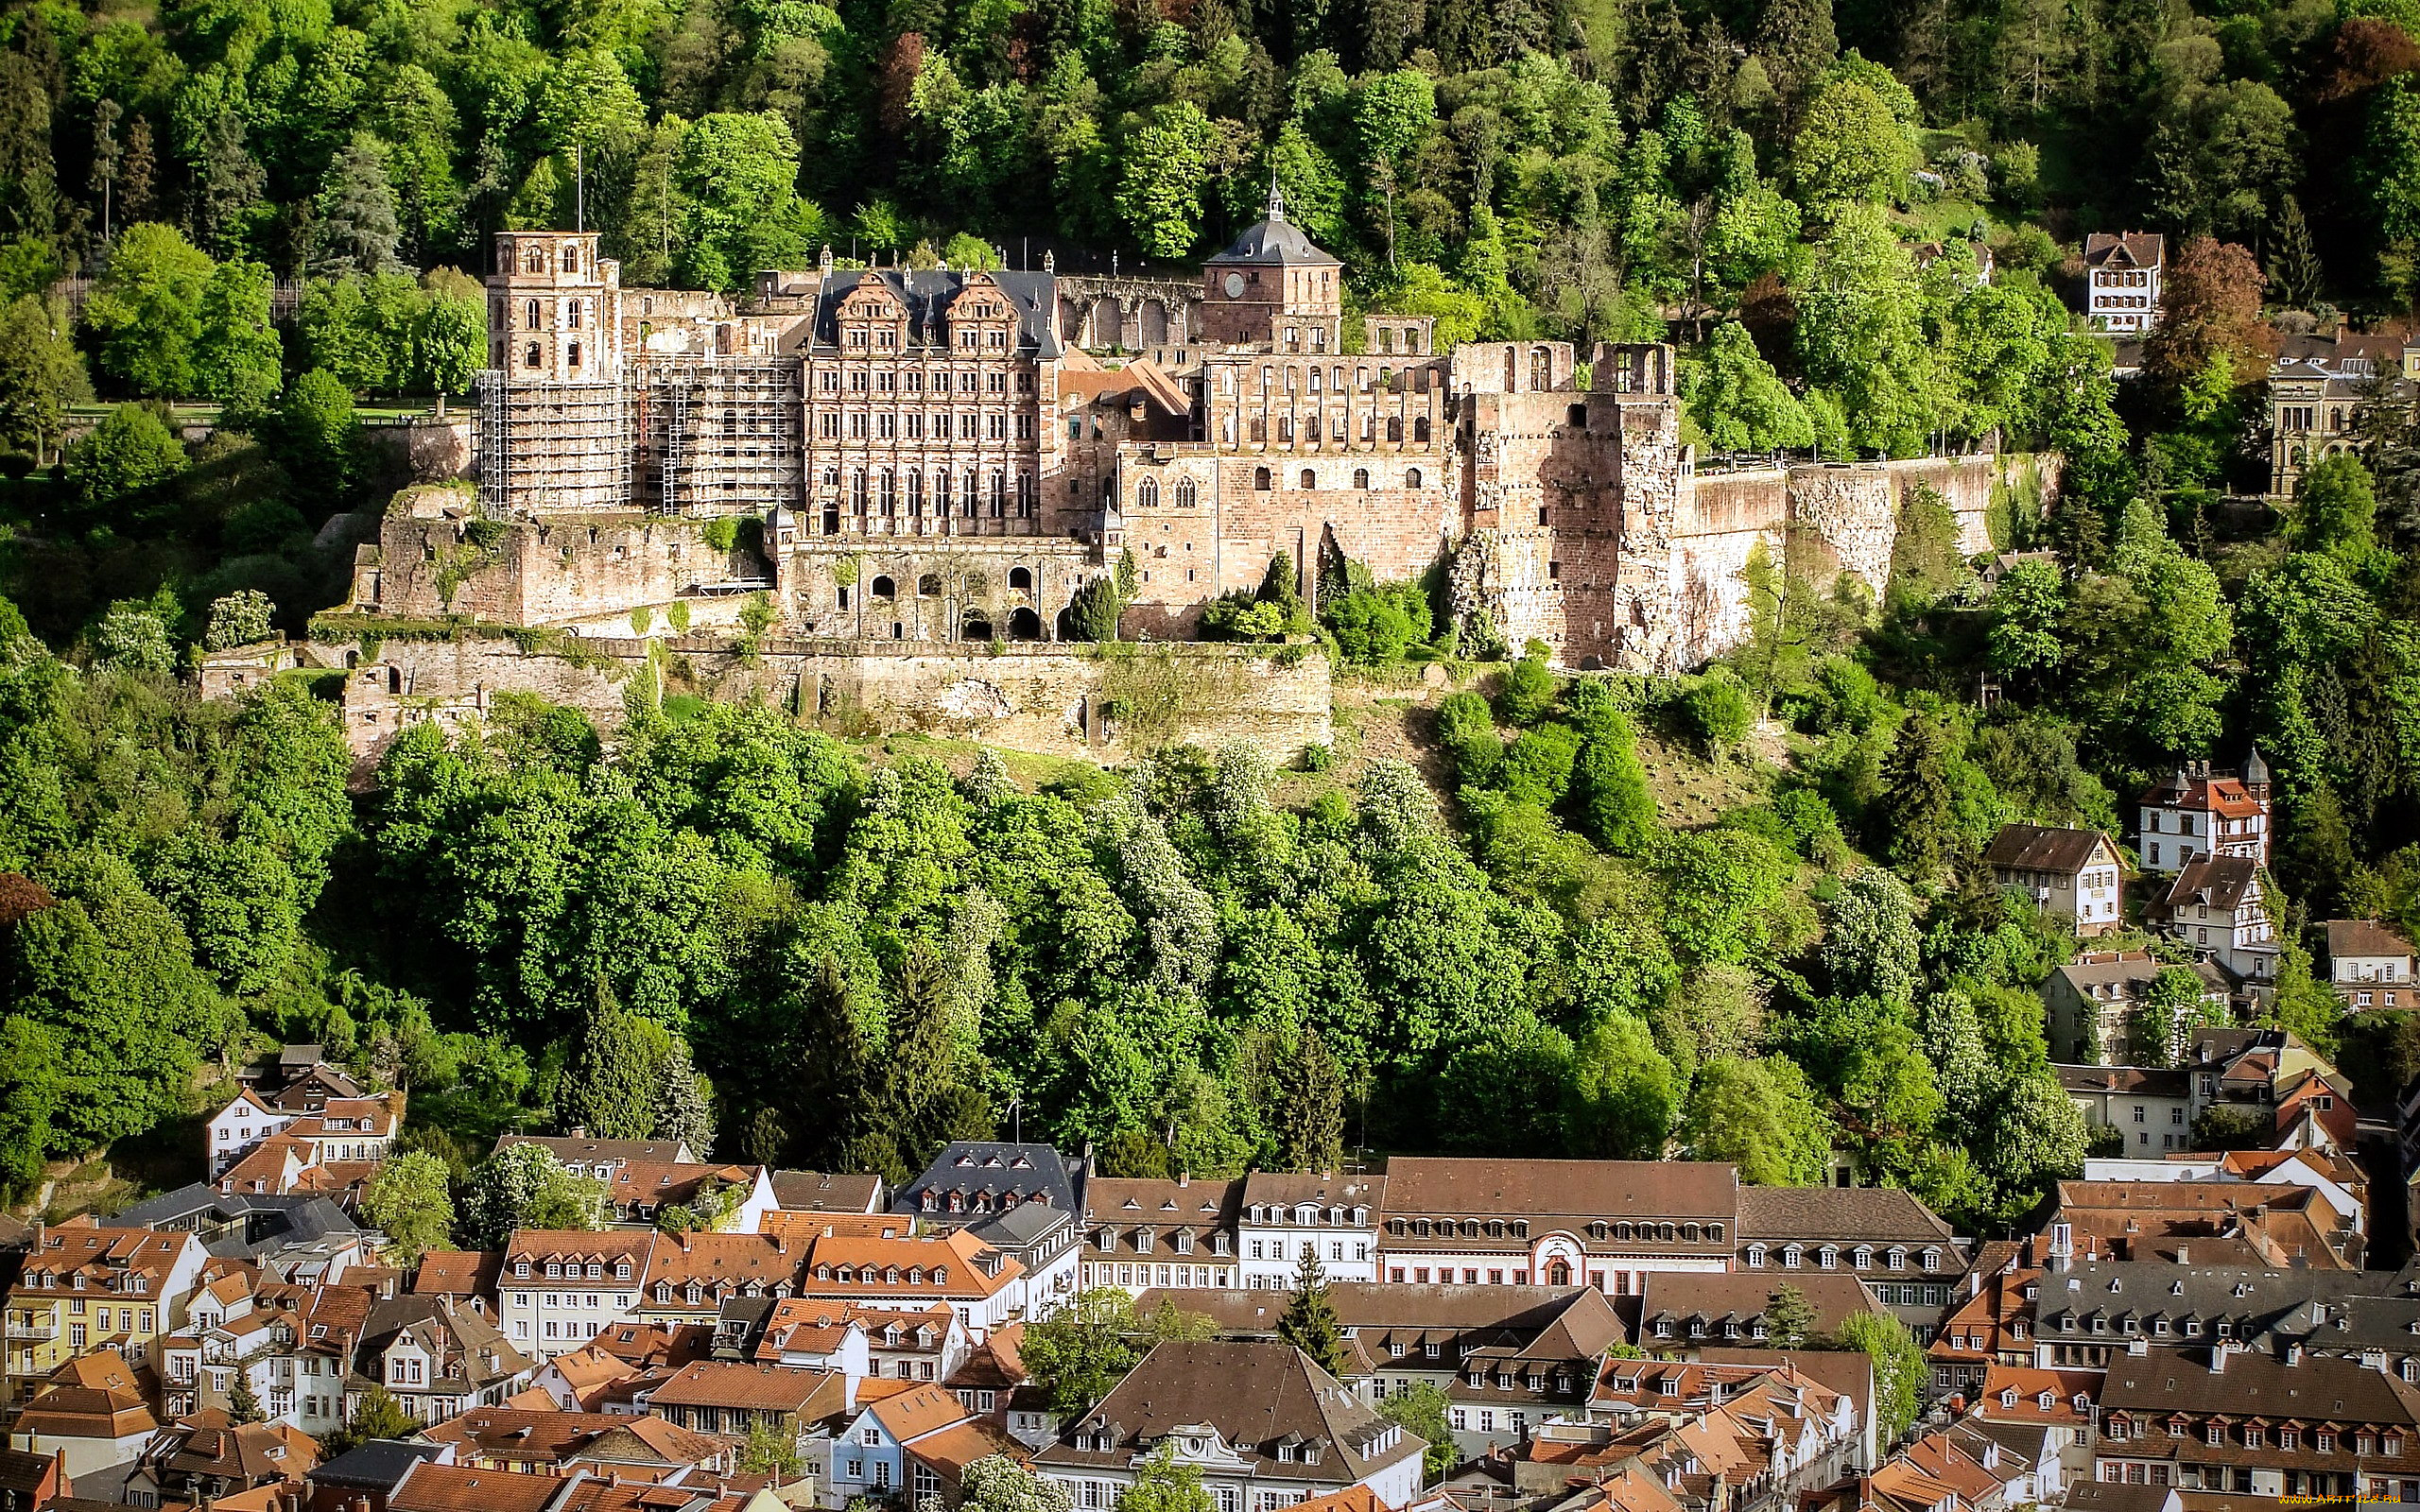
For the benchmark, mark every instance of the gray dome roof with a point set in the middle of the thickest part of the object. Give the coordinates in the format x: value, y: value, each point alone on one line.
x: 1275, y: 240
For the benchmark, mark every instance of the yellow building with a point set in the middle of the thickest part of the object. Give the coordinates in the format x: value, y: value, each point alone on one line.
x: 85, y: 1287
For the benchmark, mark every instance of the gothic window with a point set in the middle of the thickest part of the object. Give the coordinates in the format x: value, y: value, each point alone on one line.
x: 1025, y: 495
x: 533, y: 259
x: 973, y: 491
x: 530, y: 315
x: 1147, y: 494
x: 999, y: 493
x: 857, y: 491
x: 1184, y: 493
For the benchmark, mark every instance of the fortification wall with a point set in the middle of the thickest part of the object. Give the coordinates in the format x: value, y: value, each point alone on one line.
x: 1111, y: 704
x: 435, y: 559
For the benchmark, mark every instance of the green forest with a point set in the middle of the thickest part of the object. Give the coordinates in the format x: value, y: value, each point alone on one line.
x: 1200, y: 962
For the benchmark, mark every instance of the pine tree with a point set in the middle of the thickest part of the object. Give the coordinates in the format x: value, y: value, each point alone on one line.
x: 242, y: 1405
x: 685, y: 1103
x: 611, y: 1085
x: 142, y: 169
x: 1308, y: 1112
x: 1917, y: 809
x: 1789, y: 1319
x: 1310, y: 1322
x: 358, y: 229
x: 2295, y: 273
x: 828, y: 1086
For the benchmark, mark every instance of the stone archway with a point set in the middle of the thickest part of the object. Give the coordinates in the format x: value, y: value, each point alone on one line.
x: 1152, y: 324
x: 1106, y: 325
x: 1023, y: 624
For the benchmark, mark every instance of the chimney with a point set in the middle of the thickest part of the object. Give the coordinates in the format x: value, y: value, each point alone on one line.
x: 2184, y: 1256
x: 579, y: 1131
x: 2219, y: 1352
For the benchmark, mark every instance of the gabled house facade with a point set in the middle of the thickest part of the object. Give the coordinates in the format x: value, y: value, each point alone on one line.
x: 2076, y: 876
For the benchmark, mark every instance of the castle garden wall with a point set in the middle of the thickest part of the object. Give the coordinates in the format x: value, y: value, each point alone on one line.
x: 1109, y: 705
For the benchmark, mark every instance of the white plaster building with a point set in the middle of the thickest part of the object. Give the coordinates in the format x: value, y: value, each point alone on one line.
x: 1335, y: 1216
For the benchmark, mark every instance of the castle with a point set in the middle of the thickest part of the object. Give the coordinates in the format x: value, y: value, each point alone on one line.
x: 934, y: 457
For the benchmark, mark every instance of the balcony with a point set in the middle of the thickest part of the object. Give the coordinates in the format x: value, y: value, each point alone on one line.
x: 44, y: 1331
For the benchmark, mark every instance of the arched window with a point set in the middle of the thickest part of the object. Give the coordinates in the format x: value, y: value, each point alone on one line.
x: 1386, y: 378
x: 1147, y: 494
x: 1361, y: 478
x: 1021, y: 579
x: 532, y: 356
x: 1541, y: 369
x: 890, y: 493
x: 571, y: 257
x: 857, y: 491
x: 929, y: 586
x: 1395, y: 427
x: 1260, y: 478
x: 1311, y: 479
x: 1559, y: 1274
x: 1411, y: 478
x: 999, y: 493
x: 1025, y: 495
x: 915, y: 495
x: 885, y: 589
x: 1185, y: 494
x: 1314, y: 380
x: 533, y: 259
x: 1420, y: 429
x: 531, y: 312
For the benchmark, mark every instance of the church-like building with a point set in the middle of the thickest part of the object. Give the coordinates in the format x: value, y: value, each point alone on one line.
x: 935, y: 456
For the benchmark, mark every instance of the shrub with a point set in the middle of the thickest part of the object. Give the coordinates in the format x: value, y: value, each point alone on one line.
x: 1527, y: 693
x: 1717, y: 708
x: 1370, y: 626
x: 1537, y: 766
x: 1468, y: 731
x: 127, y: 456
x: 1318, y: 758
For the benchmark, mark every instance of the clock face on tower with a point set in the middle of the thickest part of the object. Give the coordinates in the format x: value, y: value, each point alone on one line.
x: 1234, y: 285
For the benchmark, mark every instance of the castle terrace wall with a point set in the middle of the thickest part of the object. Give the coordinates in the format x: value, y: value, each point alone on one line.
x: 1108, y: 704
x: 432, y: 563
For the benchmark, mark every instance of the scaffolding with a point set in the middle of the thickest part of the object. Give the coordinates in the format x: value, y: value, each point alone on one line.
x: 552, y: 448
x: 721, y: 436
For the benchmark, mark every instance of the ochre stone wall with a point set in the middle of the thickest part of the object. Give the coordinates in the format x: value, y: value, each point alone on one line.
x: 1051, y: 700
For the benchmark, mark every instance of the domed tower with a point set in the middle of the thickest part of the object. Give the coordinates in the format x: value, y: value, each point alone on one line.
x: 1274, y: 288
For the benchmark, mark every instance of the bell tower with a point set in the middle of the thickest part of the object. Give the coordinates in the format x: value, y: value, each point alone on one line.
x: 1273, y: 288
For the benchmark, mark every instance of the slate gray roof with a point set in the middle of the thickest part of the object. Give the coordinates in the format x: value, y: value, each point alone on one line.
x: 2330, y: 1310
x: 2319, y: 1388
x: 995, y: 1168
x: 826, y: 1192
x: 927, y: 293
x: 380, y: 1464
x: 1274, y: 239
x: 263, y: 1223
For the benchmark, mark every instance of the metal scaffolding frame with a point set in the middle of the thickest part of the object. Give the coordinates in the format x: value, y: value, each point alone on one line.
x: 721, y: 436
x: 552, y: 447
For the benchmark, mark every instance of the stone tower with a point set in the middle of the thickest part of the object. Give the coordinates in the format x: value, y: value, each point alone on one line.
x: 1273, y: 288
x: 554, y: 418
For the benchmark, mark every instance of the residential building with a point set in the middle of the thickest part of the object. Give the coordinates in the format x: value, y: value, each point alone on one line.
x: 240, y: 1125
x: 1606, y: 1224
x: 805, y: 1334
x: 1046, y: 1241
x: 690, y: 1276
x: 302, y: 1238
x: 332, y: 1119
x: 2217, y: 906
x: 912, y: 1274
x: 433, y: 1487
x: 2219, y: 1222
x: 1908, y: 1257
x: 92, y: 1413
x: 870, y: 1456
x: 2370, y: 966
x: 1145, y: 1233
x: 435, y: 1359
x: 195, y: 1461
x: 1335, y: 1216
x: 1265, y: 1427
x: 559, y: 1288
x: 83, y: 1287
x: 1682, y: 1312
x: 2146, y: 1108
x: 2090, y: 1005
x: 972, y: 1179
x: 548, y: 1442
x: 729, y: 1400
x: 2336, y: 1177
x: 30, y: 1482
x: 1739, y: 1436
x: 1507, y: 1357
x: 829, y: 1192
x: 2075, y: 875
x: 733, y: 1198
x: 469, y: 1276
x: 237, y: 1326
x: 2058, y: 1402
x: 2201, y: 812
x: 2122, y: 281
x: 364, y: 1478
x: 2217, y: 1417
x: 2317, y: 384
x: 926, y: 1346
x: 1991, y: 1323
